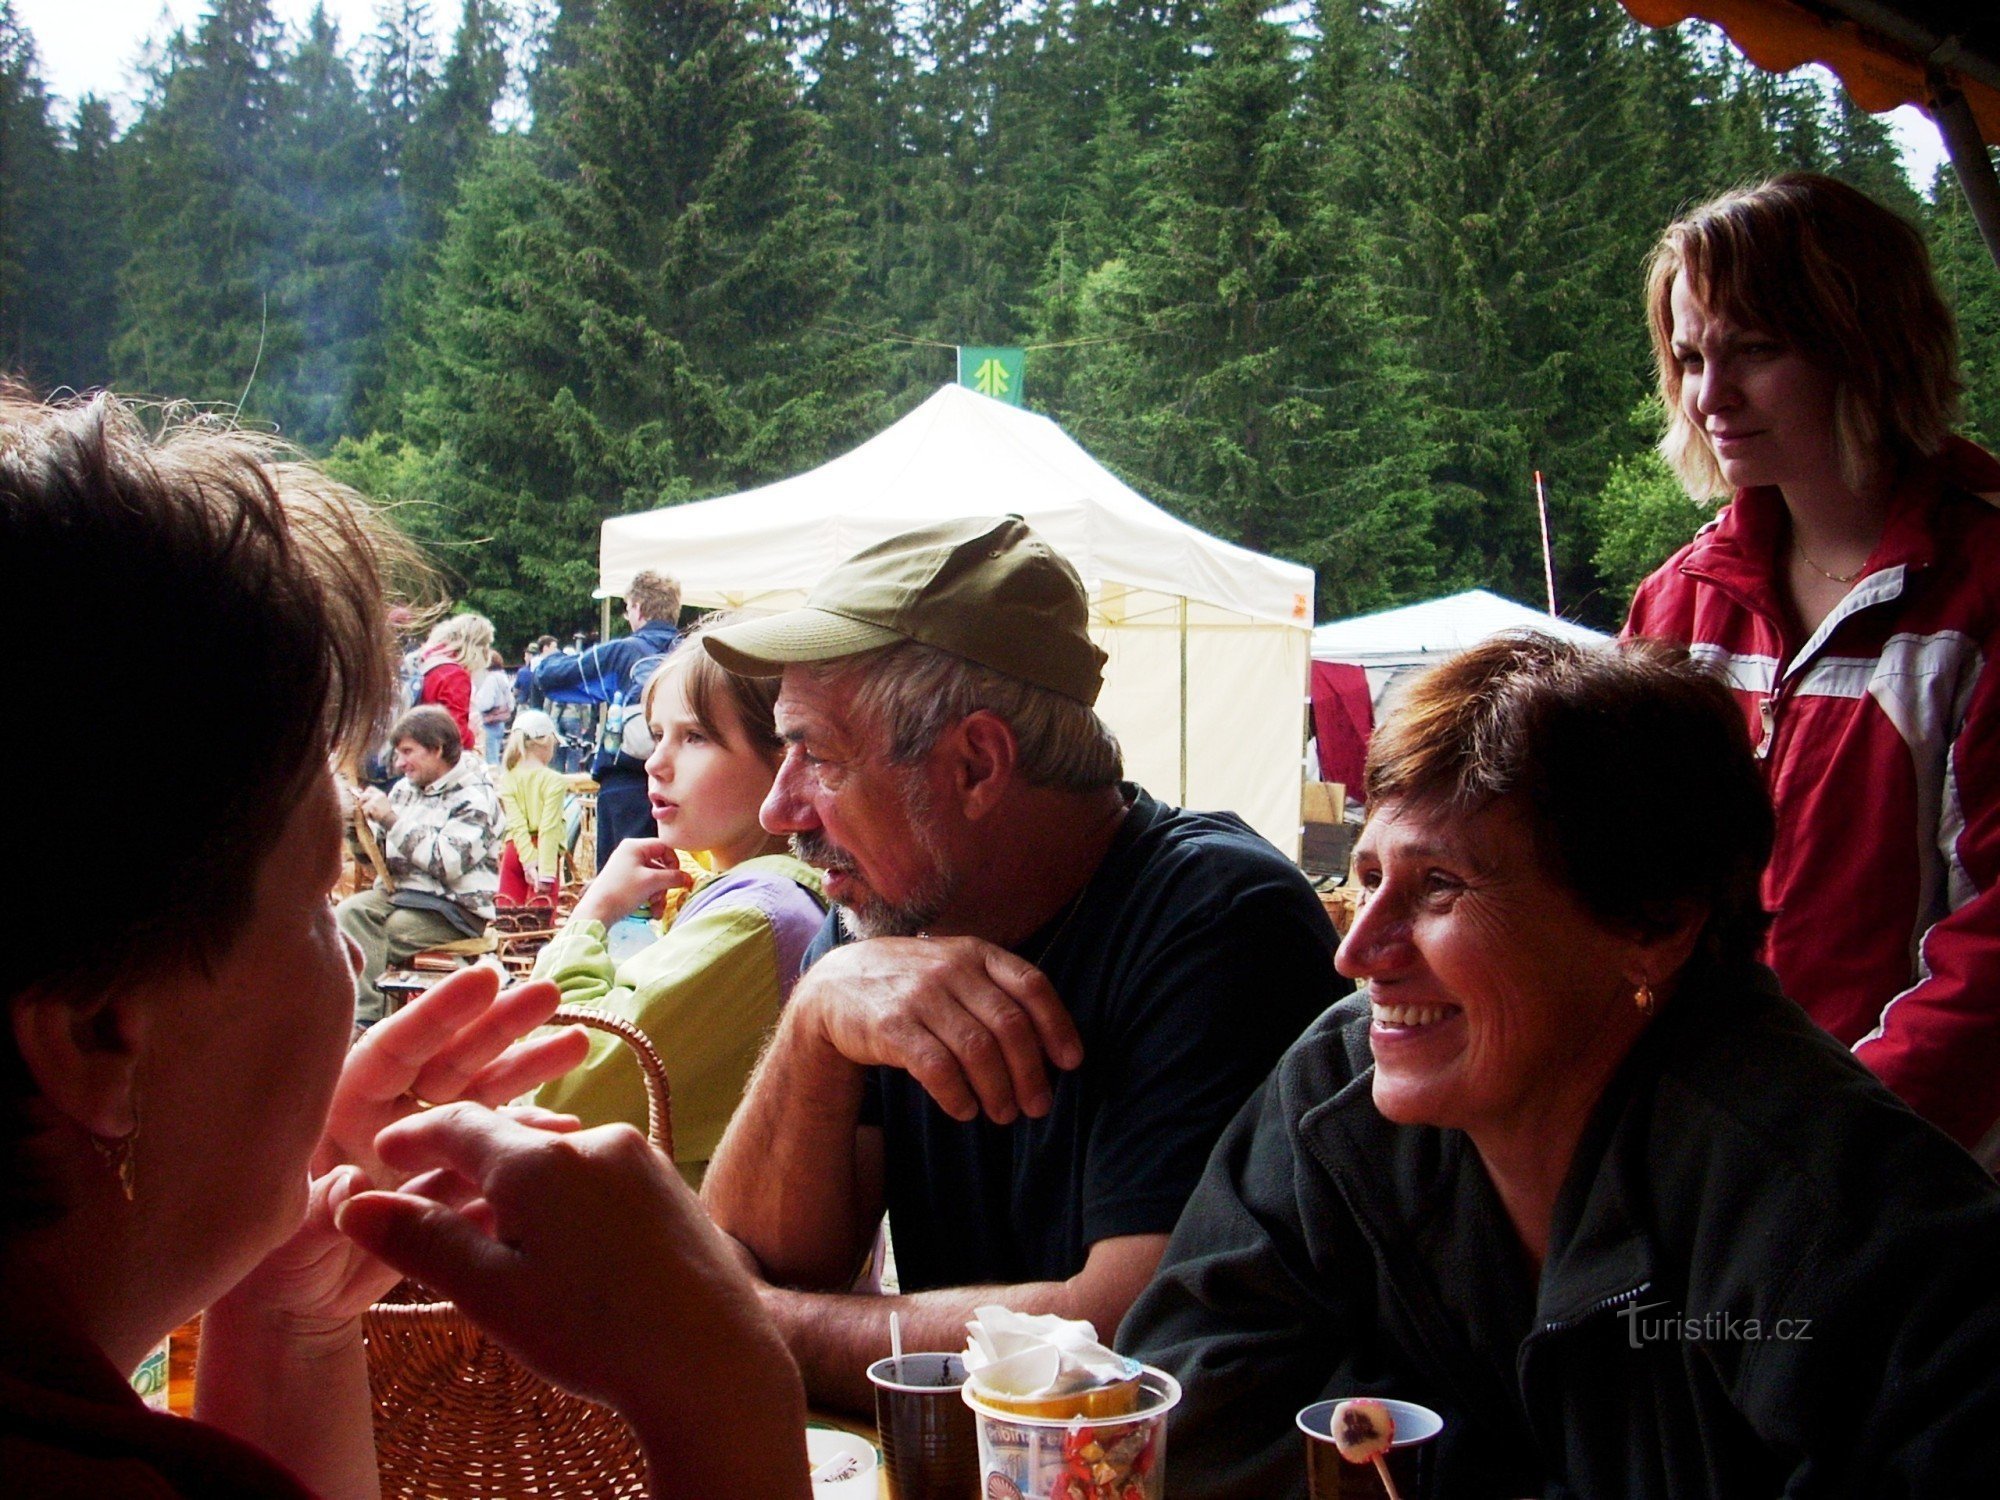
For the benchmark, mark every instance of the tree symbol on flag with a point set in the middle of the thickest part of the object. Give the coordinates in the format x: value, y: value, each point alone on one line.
x: 991, y: 378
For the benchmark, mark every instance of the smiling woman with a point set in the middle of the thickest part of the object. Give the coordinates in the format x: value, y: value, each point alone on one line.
x: 1566, y: 1095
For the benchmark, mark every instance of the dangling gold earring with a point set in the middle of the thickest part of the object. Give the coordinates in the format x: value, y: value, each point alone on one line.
x: 119, y: 1155
x: 1643, y: 998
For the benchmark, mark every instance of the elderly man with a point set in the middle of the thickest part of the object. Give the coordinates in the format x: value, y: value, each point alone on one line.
x: 614, y: 674
x: 441, y: 831
x: 1004, y: 902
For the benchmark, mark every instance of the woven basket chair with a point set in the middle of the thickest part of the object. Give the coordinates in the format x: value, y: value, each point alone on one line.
x: 458, y: 1418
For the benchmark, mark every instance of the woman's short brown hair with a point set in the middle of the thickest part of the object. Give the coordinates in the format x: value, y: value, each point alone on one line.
x: 753, y: 701
x: 1631, y: 763
x: 211, y: 629
x: 1833, y: 275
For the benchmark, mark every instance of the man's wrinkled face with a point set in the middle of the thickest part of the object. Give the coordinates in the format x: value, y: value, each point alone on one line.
x: 868, y: 823
x: 420, y: 763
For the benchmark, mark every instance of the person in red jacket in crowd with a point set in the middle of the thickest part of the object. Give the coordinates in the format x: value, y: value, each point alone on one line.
x: 457, y: 648
x: 1846, y: 592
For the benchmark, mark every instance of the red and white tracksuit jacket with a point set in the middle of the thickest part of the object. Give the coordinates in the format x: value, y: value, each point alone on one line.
x: 1880, y: 741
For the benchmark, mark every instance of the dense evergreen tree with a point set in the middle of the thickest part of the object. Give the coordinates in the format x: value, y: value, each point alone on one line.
x: 445, y: 121
x: 1971, y: 284
x: 93, y: 248
x: 31, y: 206
x: 1518, y: 245
x: 325, y: 167
x: 625, y: 305
x: 1267, y: 400
x: 197, y: 315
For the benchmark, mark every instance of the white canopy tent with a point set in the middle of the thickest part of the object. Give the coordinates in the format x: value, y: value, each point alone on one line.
x: 1391, y: 642
x: 1207, y: 641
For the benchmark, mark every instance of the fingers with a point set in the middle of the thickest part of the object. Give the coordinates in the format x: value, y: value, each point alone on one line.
x: 429, y: 1241
x: 387, y: 1061
x: 463, y: 1138
x: 461, y: 1056
x: 968, y: 1021
x: 524, y: 1066
x: 1028, y: 986
x: 537, y: 1118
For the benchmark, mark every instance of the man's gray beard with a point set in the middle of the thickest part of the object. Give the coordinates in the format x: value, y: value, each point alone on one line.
x: 918, y: 911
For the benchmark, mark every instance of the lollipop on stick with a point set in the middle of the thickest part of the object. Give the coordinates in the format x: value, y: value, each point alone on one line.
x: 1362, y: 1432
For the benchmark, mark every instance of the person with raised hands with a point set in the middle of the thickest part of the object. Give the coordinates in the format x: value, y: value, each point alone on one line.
x: 182, y: 1117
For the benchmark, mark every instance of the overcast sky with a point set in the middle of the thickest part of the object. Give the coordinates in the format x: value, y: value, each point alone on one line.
x: 93, y: 47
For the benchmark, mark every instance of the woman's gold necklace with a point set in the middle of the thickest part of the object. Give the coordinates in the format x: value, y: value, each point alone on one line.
x: 1799, y: 548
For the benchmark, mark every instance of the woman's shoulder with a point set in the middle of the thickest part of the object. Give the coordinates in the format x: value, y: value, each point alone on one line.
x: 1748, y: 1090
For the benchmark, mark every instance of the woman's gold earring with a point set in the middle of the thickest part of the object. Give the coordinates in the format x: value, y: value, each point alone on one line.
x: 119, y: 1155
x: 1643, y: 998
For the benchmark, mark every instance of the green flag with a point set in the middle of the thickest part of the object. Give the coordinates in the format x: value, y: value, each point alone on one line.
x: 993, y: 372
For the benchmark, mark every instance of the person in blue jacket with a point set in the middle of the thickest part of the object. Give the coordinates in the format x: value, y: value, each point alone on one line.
x: 614, y: 673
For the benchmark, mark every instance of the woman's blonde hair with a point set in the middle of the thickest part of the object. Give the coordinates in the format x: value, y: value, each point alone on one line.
x: 470, y: 638
x: 1837, y: 278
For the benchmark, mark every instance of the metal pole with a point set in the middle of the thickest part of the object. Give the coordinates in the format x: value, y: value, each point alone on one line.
x: 1969, y: 160
x: 1548, y: 556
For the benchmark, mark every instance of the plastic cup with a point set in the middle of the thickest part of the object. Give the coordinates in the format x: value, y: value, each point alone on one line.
x: 1331, y: 1477
x: 843, y: 1465
x: 928, y: 1448
x: 1027, y: 1458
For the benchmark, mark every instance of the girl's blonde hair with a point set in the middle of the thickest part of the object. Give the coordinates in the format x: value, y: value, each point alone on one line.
x: 470, y: 638
x: 526, y: 732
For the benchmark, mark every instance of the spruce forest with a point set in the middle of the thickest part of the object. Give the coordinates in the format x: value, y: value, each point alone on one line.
x: 1330, y: 280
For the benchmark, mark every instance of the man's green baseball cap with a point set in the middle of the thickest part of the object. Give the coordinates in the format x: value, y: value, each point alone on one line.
x: 988, y: 590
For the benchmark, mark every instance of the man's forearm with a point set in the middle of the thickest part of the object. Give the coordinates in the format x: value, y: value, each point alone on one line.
x: 784, y: 1180
x: 836, y: 1336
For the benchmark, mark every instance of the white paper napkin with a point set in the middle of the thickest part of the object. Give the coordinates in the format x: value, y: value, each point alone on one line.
x: 1039, y: 1354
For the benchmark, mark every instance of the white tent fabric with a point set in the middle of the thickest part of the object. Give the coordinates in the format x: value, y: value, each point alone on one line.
x: 1391, y: 642
x: 1207, y: 641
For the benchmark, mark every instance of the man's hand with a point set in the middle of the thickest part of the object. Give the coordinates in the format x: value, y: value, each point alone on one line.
x: 969, y: 1021
x: 375, y: 802
x: 639, y: 871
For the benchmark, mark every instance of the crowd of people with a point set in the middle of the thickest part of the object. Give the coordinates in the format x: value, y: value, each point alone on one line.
x: 1644, y: 1150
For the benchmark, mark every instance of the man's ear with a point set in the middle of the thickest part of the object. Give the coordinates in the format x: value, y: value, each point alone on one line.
x: 983, y: 766
x: 84, y: 1054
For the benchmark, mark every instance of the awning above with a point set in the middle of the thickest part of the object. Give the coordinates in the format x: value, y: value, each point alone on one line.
x: 1879, y: 68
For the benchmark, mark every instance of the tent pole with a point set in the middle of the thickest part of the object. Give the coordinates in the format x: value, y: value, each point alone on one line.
x: 1184, y: 704
x: 1968, y: 160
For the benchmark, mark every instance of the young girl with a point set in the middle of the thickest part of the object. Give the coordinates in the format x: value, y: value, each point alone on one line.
x: 532, y: 796
x: 709, y: 990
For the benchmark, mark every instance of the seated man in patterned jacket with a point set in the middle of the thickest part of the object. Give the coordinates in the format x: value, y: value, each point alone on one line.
x: 441, y: 832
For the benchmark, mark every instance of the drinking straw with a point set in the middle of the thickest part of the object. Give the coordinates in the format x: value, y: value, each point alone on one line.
x: 896, y: 1342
